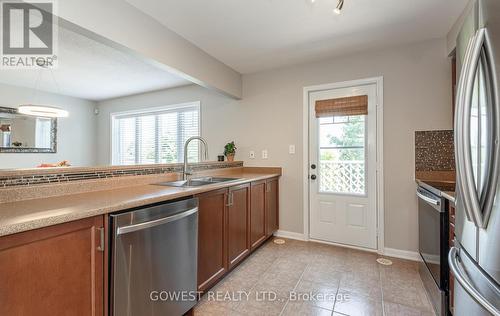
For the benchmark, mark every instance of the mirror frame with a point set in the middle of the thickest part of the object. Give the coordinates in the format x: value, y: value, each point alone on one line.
x: 53, y: 138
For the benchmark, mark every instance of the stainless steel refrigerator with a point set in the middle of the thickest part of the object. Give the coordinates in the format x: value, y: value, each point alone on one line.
x: 475, y: 259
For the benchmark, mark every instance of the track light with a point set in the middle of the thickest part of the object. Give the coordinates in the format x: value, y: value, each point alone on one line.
x: 340, y: 4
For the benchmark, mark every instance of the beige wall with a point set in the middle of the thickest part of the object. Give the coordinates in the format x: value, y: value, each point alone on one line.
x: 451, y: 38
x: 417, y: 96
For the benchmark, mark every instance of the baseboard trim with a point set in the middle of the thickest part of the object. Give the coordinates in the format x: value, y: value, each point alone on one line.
x: 289, y: 235
x: 388, y: 252
x: 342, y: 245
x: 401, y: 254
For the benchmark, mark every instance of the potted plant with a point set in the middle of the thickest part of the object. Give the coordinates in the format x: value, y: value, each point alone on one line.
x: 230, y: 151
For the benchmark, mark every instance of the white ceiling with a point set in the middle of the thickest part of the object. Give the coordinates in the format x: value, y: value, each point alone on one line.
x: 91, y: 70
x: 253, y: 35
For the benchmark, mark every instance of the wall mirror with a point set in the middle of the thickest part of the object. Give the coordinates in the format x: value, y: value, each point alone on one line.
x: 21, y: 133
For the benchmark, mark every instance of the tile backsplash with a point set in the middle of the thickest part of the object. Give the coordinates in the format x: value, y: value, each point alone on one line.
x: 434, y: 151
x: 32, y: 177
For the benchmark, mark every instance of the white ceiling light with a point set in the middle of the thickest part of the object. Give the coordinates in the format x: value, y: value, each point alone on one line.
x: 42, y: 110
x: 339, y: 7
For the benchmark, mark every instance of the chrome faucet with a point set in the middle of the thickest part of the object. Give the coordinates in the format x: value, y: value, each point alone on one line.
x: 186, y: 172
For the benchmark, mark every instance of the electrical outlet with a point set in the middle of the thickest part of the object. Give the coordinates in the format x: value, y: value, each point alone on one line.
x: 252, y: 154
x: 291, y: 149
x: 264, y: 154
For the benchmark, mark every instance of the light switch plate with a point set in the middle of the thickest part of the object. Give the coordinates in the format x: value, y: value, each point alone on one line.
x: 264, y: 154
x: 291, y: 149
x: 252, y: 154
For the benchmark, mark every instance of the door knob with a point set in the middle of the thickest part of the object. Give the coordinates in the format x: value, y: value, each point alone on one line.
x: 313, y: 177
x: 313, y: 166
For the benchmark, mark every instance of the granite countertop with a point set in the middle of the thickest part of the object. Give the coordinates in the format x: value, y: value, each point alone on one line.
x: 26, y: 215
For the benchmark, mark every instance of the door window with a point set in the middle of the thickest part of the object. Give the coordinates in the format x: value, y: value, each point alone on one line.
x: 342, y: 154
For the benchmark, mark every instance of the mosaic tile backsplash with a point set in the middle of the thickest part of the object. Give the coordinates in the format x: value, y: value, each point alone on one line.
x: 61, y: 176
x: 434, y: 151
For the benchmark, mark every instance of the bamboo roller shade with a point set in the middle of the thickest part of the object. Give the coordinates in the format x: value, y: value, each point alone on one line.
x: 357, y: 105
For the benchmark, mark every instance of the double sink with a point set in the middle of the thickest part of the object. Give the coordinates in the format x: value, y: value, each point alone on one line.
x: 197, y: 182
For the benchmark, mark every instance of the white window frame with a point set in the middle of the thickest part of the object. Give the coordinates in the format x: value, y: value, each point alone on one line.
x: 172, y: 107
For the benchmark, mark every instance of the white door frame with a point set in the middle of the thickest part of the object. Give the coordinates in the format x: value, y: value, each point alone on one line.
x: 379, y: 82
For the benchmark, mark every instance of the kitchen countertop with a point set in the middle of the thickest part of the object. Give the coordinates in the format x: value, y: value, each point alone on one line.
x: 445, y: 188
x: 449, y: 195
x: 26, y: 215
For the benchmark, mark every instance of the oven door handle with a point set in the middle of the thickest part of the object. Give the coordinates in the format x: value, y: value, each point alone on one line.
x: 428, y: 199
x: 466, y: 284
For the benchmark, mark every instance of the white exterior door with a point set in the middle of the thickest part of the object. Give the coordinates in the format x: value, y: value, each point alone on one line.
x: 343, y: 175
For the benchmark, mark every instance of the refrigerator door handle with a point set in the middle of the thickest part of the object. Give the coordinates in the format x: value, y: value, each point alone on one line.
x: 471, y: 199
x: 491, y: 78
x: 478, y: 208
x: 463, y: 280
x: 463, y: 86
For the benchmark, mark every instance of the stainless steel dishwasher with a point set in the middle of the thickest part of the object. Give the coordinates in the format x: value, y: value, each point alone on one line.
x: 154, y: 260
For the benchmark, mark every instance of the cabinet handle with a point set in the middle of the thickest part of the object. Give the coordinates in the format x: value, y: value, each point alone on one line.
x: 268, y: 187
x: 230, y: 199
x: 101, y: 236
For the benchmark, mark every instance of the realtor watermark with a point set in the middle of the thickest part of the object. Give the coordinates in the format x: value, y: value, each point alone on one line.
x: 28, y: 34
x: 239, y: 296
x: 174, y: 296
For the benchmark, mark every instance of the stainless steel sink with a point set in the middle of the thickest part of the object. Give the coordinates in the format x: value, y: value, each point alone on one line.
x: 197, y: 182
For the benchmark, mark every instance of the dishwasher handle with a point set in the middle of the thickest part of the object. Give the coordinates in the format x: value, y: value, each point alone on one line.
x: 156, y: 222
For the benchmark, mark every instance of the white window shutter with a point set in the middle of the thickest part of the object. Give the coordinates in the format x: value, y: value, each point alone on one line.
x: 155, y: 135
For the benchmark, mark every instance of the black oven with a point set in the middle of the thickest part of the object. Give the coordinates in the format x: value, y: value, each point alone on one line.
x: 433, y: 246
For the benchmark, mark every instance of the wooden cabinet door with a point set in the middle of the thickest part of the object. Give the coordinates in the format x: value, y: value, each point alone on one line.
x: 257, y: 213
x: 238, y: 237
x: 212, y: 247
x: 56, y: 270
x: 272, y: 209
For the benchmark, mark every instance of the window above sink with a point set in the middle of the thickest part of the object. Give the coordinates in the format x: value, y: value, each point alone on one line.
x: 155, y: 135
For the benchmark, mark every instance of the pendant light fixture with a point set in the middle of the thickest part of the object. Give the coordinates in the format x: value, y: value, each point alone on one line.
x: 339, y: 7
x: 42, y: 110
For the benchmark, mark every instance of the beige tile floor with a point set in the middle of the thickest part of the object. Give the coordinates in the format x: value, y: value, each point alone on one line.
x: 306, y: 278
